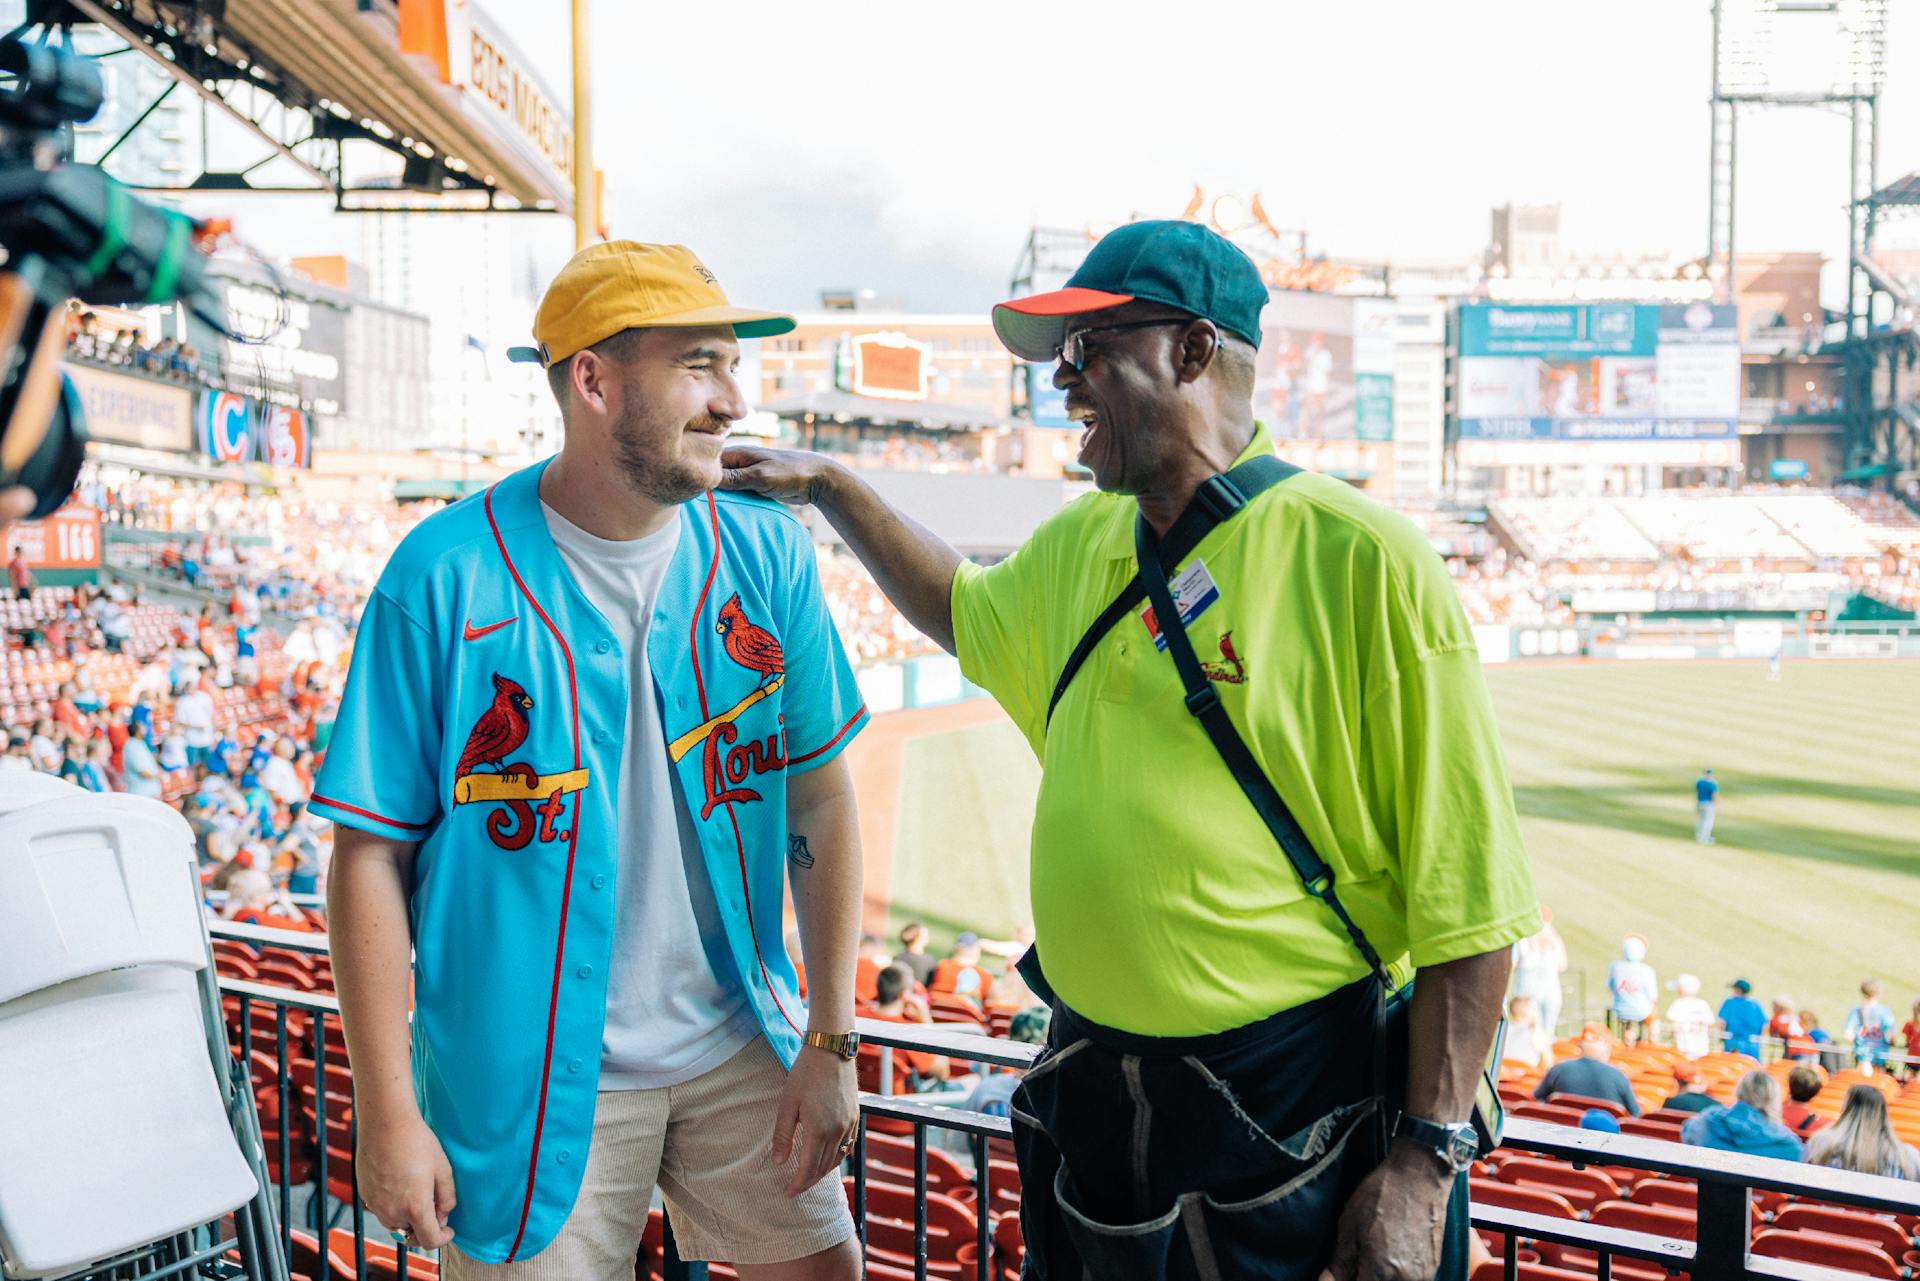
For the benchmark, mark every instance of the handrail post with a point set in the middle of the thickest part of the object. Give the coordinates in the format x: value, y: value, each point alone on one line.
x: 1723, y: 1233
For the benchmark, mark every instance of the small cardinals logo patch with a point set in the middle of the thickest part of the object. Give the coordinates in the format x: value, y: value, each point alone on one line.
x: 1229, y: 670
x: 484, y: 775
x: 701, y: 271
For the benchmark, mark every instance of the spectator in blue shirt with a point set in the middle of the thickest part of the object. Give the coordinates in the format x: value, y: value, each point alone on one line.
x: 1870, y: 1024
x: 1752, y: 1125
x: 1742, y: 1020
x: 1706, y: 793
x: 142, y: 770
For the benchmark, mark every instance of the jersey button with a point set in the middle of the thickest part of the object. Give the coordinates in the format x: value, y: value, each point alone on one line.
x: 598, y: 882
x: 599, y: 736
x: 602, y: 646
x: 574, y: 1065
x: 585, y: 972
x: 563, y: 1156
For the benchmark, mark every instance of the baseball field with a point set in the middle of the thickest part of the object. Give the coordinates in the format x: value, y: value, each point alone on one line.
x: 1812, y: 884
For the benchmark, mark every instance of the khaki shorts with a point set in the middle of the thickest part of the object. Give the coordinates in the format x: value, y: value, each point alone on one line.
x: 704, y: 1143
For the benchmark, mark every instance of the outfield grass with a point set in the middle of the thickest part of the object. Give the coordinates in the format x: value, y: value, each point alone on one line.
x: 1813, y: 884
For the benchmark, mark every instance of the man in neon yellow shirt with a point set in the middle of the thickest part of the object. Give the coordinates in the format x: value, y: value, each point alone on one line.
x: 1218, y: 1093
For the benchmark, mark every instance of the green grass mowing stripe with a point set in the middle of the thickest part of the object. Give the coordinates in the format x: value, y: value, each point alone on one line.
x: 1809, y: 889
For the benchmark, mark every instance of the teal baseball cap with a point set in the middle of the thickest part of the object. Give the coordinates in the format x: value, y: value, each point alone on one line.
x: 1180, y: 264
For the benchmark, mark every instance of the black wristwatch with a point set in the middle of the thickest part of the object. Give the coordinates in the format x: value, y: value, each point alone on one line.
x: 1454, y: 1146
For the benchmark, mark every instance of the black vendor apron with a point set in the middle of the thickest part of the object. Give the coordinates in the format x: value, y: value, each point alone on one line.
x: 1210, y: 1158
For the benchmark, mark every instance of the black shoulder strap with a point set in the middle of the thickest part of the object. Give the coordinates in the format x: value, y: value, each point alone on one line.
x: 1217, y: 499
x: 1203, y: 700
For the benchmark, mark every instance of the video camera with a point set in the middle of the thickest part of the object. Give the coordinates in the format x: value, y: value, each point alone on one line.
x: 69, y: 231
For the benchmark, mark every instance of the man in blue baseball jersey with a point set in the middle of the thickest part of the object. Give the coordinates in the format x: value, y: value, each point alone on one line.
x: 594, y: 718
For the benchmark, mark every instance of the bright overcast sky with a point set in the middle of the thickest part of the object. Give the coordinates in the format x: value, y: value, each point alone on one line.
x: 909, y: 147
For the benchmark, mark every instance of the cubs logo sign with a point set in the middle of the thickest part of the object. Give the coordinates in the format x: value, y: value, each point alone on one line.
x: 530, y: 802
x: 726, y: 763
x: 226, y: 427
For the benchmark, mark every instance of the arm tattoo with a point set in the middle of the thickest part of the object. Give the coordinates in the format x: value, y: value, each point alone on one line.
x: 797, y: 851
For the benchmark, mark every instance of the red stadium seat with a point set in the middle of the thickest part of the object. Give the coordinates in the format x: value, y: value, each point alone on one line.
x: 1654, y: 1220
x: 1582, y: 1102
x: 1643, y: 1128
x: 950, y: 1227
x: 1878, y: 1230
x: 1583, y: 1189
x: 1825, y: 1250
x: 1509, y: 1196
x: 1548, y: 1112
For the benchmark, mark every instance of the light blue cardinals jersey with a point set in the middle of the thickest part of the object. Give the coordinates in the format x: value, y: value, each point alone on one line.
x: 484, y: 717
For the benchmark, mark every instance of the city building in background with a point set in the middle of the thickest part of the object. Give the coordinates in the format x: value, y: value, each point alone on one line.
x: 477, y: 280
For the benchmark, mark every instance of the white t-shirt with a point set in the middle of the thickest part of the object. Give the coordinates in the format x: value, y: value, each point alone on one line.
x: 193, y: 717
x: 675, y: 1004
x: 1692, y: 1022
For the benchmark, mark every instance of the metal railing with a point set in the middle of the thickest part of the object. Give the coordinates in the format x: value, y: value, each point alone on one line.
x: 1721, y: 1249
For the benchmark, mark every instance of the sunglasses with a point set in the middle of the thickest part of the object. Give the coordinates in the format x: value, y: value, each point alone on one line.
x: 1072, y: 349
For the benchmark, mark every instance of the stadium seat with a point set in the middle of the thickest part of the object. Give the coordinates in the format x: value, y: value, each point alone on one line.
x: 1583, y: 1189
x: 1582, y: 1103
x: 1509, y: 1196
x: 1878, y: 1230
x: 890, y: 1231
x: 1552, y: 1112
x: 890, y: 1160
x: 1654, y: 1220
x: 1643, y: 1128
x: 1495, y: 1270
x: 1825, y: 1250
x: 102, y: 949
x: 1009, y: 1247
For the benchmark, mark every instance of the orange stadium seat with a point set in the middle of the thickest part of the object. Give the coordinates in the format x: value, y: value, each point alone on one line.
x: 1583, y: 1189
x: 1582, y: 1103
x: 1824, y: 1250
x: 951, y: 1229
x: 1878, y: 1230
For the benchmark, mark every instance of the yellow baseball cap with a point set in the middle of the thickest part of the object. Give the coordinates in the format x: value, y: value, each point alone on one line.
x: 622, y: 284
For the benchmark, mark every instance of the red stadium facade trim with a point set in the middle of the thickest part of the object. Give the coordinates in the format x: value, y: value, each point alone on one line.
x: 566, y: 888
x: 739, y: 844
x: 378, y: 818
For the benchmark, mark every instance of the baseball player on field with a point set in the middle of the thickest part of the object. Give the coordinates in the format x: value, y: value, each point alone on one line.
x: 595, y: 715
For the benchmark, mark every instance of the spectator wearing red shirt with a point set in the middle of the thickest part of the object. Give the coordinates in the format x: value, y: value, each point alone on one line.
x: 1785, y: 1024
x: 1911, y: 1034
x: 67, y: 713
x: 961, y: 973
x: 19, y: 575
x: 1802, y: 1084
x: 892, y: 986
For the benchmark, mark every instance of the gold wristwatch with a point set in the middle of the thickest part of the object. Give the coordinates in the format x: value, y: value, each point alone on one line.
x: 844, y: 1045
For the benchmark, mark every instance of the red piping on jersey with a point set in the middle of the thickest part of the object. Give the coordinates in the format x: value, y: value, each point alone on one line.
x: 378, y: 818
x: 566, y: 889
x: 828, y: 745
x: 700, y: 607
x: 739, y: 845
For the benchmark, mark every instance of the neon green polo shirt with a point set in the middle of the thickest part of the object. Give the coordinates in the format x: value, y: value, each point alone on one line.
x: 1161, y: 903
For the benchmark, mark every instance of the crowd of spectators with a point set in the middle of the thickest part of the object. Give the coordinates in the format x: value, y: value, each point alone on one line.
x: 98, y: 341
x: 208, y: 712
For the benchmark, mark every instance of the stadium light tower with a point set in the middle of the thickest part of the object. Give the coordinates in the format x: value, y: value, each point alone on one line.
x: 1827, y: 54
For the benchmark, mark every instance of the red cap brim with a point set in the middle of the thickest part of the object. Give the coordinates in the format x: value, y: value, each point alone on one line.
x: 1032, y: 327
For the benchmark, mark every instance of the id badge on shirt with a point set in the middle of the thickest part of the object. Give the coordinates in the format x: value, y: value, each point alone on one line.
x: 1193, y: 592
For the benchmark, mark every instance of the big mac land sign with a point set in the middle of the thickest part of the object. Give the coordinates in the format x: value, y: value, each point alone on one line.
x: 498, y: 85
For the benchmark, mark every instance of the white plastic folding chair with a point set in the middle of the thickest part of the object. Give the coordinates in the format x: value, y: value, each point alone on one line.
x: 127, y: 1131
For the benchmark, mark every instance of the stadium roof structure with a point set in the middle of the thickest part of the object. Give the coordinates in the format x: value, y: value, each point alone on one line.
x: 342, y: 89
x: 844, y: 406
x: 1901, y: 193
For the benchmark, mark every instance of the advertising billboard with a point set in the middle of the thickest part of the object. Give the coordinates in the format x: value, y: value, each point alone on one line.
x: 68, y: 539
x: 1631, y: 372
x: 130, y: 410
x: 1325, y: 368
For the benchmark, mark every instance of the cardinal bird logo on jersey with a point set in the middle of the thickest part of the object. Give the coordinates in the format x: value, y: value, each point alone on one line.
x: 500, y: 731
x: 530, y: 801
x: 748, y: 645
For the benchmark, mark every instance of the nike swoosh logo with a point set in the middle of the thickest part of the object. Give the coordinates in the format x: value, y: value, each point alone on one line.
x: 475, y: 633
